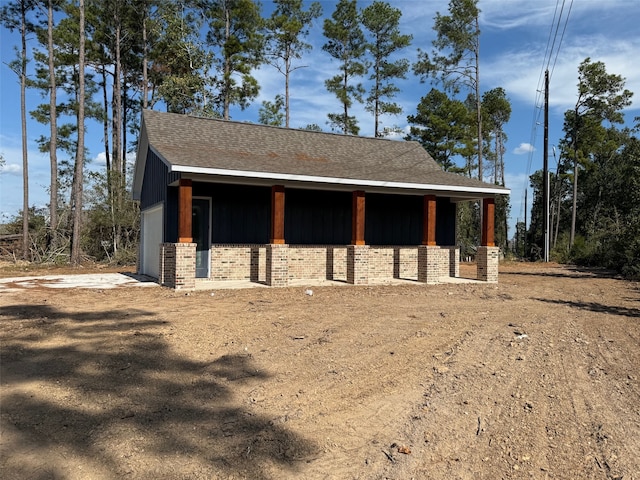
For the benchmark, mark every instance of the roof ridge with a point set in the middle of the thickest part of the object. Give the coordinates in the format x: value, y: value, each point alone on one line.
x: 276, y: 127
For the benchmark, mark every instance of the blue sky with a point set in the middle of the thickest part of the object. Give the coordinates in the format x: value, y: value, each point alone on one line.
x: 514, y: 40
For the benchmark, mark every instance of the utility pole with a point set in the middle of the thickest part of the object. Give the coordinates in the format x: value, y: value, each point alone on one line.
x: 545, y: 168
x: 525, y: 221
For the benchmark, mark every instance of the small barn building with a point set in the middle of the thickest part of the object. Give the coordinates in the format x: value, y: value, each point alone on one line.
x: 223, y: 200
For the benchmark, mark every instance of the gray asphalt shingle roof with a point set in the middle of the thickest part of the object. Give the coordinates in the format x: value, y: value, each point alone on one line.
x: 218, y: 147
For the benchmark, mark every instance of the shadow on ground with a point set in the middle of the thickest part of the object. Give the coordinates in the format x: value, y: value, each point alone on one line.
x: 596, y: 307
x: 107, y: 389
x: 567, y: 271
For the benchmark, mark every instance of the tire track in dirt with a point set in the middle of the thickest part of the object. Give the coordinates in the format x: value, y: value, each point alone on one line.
x: 357, y: 426
x: 484, y: 387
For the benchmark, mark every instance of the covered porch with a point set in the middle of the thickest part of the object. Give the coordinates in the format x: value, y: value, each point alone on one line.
x: 281, y: 235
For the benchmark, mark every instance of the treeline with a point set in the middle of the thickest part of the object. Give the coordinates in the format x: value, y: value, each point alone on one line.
x: 103, y: 61
x: 595, y: 189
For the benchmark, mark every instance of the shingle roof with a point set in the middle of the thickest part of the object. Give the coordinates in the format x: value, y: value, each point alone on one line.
x: 218, y: 147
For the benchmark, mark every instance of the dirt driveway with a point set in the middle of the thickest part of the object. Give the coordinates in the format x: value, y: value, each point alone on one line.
x: 536, y: 377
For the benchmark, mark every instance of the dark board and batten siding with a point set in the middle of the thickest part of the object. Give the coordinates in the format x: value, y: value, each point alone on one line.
x: 155, y: 182
x: 155, y: 190
x: 242, y: 215
x: 316, y: 217
x: 239, y: 213
x: 397, y: 220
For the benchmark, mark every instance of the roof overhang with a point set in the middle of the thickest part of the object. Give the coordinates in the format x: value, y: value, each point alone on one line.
x: 459, y: 193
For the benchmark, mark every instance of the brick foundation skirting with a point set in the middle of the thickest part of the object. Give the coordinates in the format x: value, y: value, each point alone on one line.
x: 278, y: 265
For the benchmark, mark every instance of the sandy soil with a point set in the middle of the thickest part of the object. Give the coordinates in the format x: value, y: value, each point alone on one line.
x: 536, y: 377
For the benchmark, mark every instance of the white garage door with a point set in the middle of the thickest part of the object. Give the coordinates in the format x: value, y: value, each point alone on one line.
x: 152, y: 228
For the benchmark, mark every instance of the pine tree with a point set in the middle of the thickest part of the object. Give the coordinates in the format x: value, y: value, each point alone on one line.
x: 601, y: 98
x: 345, y: 43
x: 286, y: 29
x: 14, y: 17
x: 442, y: 125
x: 456, y: 57
x: 78, y: 177
x: 381, y: 20
x: 235, y: 31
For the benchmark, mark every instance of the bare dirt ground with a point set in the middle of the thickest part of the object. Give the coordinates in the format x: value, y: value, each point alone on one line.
x: 536, y: 377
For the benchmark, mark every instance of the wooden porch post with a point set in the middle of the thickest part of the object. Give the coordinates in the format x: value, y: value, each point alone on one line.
x: 488, y: 222
x: 185, y: 190
x: 429, y: 220
x: 357, y: 218
x: 277, y: 214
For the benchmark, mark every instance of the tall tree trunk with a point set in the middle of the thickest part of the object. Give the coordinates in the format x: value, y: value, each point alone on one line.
x: 124, y: 129
x: 145, y: 60
x: 287, y: 67
x: 346, y: 107
x: 53, y: 140
x: 555, y: 237
x: 23, y: 117
x: 572, y: 235
x: 575, y: 201
x: 116, y: 128
x: 79, y: 161
x: 496, y: 132
x: 105, y: 121
x: 107, y: 154
x: 478, y: 100
x: 376, y: 107
x: 227, y: 67
x: 116, y: 105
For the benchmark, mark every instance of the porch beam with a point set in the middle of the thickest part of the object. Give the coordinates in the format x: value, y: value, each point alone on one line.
x: 488, y: 222
x: 429, y: 220
x: 277, y: 215
x: 357, y: 217
x: 185, y: 196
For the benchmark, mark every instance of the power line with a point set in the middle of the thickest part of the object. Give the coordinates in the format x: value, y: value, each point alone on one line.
x: 551, y: 51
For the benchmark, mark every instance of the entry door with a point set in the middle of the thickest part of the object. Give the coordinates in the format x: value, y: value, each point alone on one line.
x: 201, y: 221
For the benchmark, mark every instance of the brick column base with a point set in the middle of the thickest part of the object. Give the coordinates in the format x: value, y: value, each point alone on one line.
x: 358, y: 264
x: 454, y: 261
x: 430, y: 264
x: 178, y: 265
x: 488, y: 260
x: 277, y: 268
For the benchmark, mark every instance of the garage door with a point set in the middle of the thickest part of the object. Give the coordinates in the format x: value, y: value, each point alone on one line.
x: 152, y: 228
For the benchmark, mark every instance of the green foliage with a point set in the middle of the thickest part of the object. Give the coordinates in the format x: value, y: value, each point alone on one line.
x: 443, y: 127
x: 381, y: 20
x: 111, y: 231
x: 345, y: 43
x: 271, y: 112
x: 502, y: 211
x: 468, y: 230
x: 178, y: 61
x: 457, y: 42
x: 496, y: 112
x: 608, y: 230
x: 455, y: 60
x: 607, y: 161
x: 235, y: 34
x: 286, y: 29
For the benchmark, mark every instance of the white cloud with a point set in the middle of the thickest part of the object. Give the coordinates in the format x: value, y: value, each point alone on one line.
x: 11, y: 169
x: 520, y: 71
x: 524, y: 148
x: 100, y: 159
